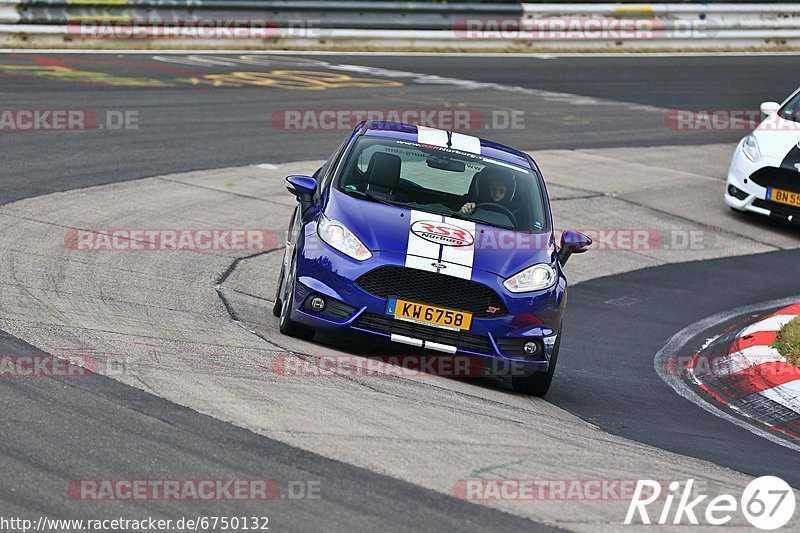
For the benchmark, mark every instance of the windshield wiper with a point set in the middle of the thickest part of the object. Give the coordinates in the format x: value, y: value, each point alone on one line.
x: 366, y: 195
x: 458, y: 215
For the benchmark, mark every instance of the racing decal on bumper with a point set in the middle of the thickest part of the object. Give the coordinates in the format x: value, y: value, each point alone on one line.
x: 430, y: 345
x: 441, y: 244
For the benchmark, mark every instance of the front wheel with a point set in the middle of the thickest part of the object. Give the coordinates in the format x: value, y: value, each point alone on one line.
x: 538, y: 383
x: 276, y: 309
x: 287, y: 325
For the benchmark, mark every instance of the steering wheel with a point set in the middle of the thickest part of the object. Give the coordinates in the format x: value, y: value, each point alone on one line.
x: 491, y: 206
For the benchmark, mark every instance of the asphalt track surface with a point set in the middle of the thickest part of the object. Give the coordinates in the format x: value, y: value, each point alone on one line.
x: 613, y: 384
x: 192, y: 127
x: 55, y: 429
x: 60, y: 429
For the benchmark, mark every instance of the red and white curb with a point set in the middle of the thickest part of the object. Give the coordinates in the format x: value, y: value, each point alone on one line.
x: 752, y: 378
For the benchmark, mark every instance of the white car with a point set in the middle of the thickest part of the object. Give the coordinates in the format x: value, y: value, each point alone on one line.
x: 764, y: 176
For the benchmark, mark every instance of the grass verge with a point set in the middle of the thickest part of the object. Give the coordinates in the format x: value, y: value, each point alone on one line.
x: 788, y: 341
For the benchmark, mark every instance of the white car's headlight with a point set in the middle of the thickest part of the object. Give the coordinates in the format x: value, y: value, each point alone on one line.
x: 339, y: 237
x: 535, y: 278
x: 750, y: 148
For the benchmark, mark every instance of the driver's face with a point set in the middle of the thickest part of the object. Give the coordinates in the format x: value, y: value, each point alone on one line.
x: 497, y: 191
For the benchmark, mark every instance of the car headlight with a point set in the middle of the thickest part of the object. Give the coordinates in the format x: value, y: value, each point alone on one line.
x: 339, y: 237
x: 750, y: 148
x: 535, y: 278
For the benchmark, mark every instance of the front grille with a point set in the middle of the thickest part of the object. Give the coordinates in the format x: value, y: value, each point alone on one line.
x: 779, y: 209
x: 462, y: 340
x: 779, y: 178
x: 434, y: 289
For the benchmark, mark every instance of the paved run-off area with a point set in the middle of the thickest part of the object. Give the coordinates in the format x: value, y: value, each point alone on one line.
x: 155, y: 321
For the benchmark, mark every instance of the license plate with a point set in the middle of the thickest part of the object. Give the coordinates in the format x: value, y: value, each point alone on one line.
x: 785, y: 197
x: 428, y: 314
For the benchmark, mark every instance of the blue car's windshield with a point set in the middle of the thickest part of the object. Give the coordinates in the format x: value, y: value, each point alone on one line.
x: 444, y: 181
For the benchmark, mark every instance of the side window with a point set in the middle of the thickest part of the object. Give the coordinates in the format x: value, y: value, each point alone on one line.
x: 327, y: 170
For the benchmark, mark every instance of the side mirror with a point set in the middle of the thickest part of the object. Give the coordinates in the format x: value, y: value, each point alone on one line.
x: 572, y: 242
x: 768, y: 108
x: 303, y: 187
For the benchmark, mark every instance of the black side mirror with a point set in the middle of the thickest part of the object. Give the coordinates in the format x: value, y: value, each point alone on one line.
x: 572, y: 242
x: 303, y: 187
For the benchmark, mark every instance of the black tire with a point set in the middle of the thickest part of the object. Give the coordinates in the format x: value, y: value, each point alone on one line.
x: 276, y: 309
x: 287, y: 325
x: 538, y: 384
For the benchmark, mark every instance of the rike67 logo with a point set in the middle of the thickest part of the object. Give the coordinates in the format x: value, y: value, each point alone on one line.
x: 767, y: 503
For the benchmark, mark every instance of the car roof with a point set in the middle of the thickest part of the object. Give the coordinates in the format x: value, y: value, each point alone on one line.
x: 460, y: 141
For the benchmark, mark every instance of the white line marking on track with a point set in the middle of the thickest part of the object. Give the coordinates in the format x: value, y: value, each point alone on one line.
x: 747, y: 358
x: 787, y: 395
x: 773, y: 323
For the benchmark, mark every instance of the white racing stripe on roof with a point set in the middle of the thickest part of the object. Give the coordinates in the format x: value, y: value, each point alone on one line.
x: 466, y: 143
x: 458, y: 141
x: 432, y: 136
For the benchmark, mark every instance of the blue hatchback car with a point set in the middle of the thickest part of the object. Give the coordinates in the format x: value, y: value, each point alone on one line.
x: 433, y: 239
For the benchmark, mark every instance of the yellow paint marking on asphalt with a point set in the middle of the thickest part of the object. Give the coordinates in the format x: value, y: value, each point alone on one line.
x: 290, y: 79
x: 69, y: 74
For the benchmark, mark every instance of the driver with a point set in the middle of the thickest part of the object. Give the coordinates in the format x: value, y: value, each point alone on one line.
x: 492, y: 186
